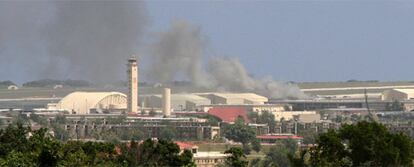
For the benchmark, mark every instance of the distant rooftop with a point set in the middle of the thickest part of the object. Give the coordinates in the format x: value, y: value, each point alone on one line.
x: 229, y: 114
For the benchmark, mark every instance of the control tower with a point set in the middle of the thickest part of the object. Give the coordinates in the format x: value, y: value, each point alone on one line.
x: 132, y: 85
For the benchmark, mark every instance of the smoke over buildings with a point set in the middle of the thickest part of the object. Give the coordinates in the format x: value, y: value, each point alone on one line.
x: 91, y: 40
x: 180, y: 52
x: 230, y: 75
x: 69, y: 39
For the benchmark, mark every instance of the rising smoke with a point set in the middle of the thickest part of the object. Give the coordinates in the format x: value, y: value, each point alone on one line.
x: 92, y: 39
x: 69, y: 39
x: 180, y: 50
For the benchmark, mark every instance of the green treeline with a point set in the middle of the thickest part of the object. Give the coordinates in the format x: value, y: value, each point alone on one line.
x: 363, y: 144
x: 360, y: 144
x: 21, y: 146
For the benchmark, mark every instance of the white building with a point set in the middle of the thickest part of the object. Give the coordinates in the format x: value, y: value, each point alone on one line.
x: 87, y: 102
x: 309, y: 118
x: 234, y: 98
x: 288, y: 115
x: 259, y: 108
x: 12, y: 87
x: 179, y: 102
x: 397, y: 94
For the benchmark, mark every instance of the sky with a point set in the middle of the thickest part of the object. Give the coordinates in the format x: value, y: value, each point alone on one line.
x: 303, y: 40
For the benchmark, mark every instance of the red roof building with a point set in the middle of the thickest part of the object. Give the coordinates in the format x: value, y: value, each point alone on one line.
x: 187, y: 146
x: 229, y: 114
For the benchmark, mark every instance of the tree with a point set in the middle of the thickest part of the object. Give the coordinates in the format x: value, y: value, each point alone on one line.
x: 269, y: 119
x: 246, y: 149
x: 365, y: 143
x: 330, y: 151
x: 154, y: 153
x: 237, y: 158
x: 265, y: 117
x: 110, y: 136
x: 213, y: 121
x: 308, y: 135
x: 278, y: 155
x: 16, y: 159
x: 20, y: 146
x: 13, y: 138
x: 44, y: 147
x: 168, y: 133
x: 38, y: 119
x: 61, y: 119
x: 255, y: 162
x: 256, y: 145
x: 186, y: 159
x: 254, y: 116
x: 240, y: 132
x: 22, y: 118
x: 131, y: 134
x: 60, y: 132
x: 299, y: 160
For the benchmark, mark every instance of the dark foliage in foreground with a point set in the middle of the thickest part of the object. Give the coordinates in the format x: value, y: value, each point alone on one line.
x: 20, y: 146
x: 362, y: 144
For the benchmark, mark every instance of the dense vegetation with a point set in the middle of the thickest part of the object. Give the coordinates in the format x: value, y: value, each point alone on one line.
x: 264, y: 118
x: 355, y: 145
x: 240, y: 132
x: 21, y: 146
x: 362, y: 144
x: 236, y: 158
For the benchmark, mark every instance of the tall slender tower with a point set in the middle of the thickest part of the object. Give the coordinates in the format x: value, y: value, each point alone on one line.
x: 166, y: 100
x: 132, y: 84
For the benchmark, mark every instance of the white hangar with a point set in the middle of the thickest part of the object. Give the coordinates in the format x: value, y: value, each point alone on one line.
x: 88, y: 102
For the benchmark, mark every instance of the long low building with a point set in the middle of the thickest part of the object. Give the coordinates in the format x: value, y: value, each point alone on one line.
x: 322, y: 104
x: 235, y: 98
x: 192, y: 102
x: 252, y: 107
x: 179, y: 102
x: 289, y: 115
x: 91, y: 102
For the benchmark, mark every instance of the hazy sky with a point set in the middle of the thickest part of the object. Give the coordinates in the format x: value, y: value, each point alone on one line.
x: 331, y: 40
x: 304, y: 40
